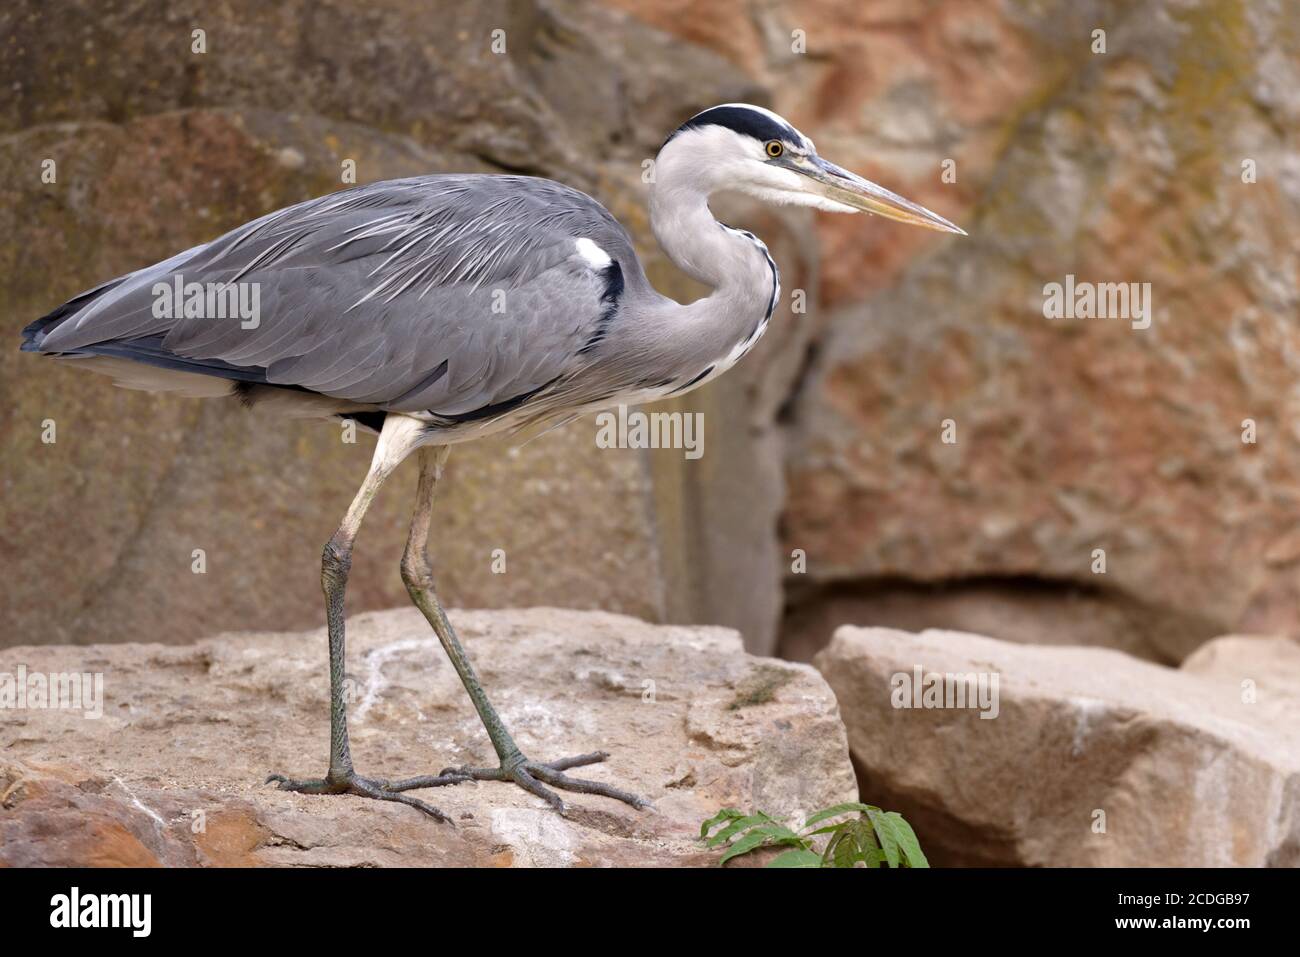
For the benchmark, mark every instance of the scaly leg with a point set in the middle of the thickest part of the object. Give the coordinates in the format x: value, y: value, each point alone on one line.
x: 530, y: 775
x: 398, y: 437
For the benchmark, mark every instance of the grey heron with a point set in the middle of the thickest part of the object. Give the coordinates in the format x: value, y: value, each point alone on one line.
x: 381, y: 304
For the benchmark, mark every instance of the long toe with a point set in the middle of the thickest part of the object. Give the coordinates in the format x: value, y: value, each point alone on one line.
x: 563, y: 764
x: 466, y: 773
x: 374, y: 790
x: 302, y: 786
x: 529, y: 783
x: 547, y: 773
x: 534, y: 776
x: 442, y: 779
x: 356, y: 785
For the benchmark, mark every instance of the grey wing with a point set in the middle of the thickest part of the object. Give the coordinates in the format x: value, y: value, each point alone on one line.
x: 451, y: 294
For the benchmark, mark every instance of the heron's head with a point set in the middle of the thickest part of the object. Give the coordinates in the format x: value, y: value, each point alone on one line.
x: 752, y: 150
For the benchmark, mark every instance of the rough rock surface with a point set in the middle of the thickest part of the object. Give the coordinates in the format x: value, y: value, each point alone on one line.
x: 172, y: 773
x: 1071, y: 434
x: 1191, y: 767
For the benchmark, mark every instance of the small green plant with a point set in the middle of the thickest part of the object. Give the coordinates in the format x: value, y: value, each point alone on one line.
x: 871, y: 838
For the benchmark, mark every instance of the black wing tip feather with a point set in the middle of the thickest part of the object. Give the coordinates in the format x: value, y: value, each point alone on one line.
x: 34, y: 333
x: 148, y: 350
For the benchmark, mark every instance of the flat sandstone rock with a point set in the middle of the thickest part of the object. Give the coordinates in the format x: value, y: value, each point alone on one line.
x: 1089, y: 758
x: 173, y: 771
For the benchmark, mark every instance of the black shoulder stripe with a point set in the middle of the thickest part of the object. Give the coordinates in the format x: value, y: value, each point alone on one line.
x: 613, y: 274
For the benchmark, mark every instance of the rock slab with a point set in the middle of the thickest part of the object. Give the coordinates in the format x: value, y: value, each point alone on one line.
x: 172, y: 772
x: 1094, y: 758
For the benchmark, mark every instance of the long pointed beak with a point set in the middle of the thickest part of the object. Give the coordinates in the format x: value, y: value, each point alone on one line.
x: 852, y: 190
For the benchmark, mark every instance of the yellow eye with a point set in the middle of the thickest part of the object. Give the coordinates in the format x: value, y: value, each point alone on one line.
x: 774, y: 148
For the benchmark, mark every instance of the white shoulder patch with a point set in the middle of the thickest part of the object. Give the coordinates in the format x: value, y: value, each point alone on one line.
x: 594, y: 255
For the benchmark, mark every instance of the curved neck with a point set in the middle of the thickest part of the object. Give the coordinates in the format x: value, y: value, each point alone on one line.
x: 735, y: 266
x: 679, y: 347
x: 695, y: 241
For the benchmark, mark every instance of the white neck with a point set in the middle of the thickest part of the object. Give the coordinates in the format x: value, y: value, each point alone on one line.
x: 695, y: 241
x: 717, y: 329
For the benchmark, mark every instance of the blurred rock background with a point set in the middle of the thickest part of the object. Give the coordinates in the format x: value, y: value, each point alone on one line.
x: 1072, y: 435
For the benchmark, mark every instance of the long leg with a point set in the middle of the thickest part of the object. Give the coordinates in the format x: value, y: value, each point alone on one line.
x: 417, y: 573
x: 399, y: 436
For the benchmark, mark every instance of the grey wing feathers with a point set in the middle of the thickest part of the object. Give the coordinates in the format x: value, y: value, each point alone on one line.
x: 439, y: 293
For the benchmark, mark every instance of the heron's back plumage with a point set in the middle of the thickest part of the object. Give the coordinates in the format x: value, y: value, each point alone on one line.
x: 459, y: 296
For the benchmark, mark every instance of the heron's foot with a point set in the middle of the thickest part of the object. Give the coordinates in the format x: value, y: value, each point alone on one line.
x: 533, y: 776
x: 353, y: 783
